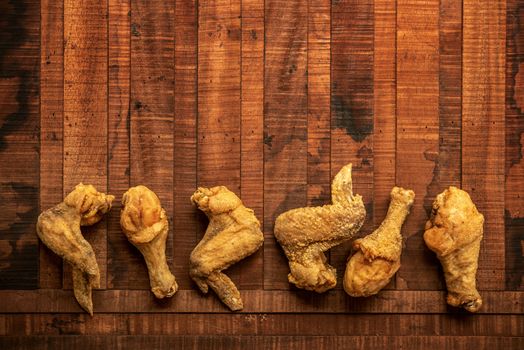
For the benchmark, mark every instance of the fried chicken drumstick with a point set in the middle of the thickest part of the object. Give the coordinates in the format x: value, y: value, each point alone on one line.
x: 454, y: 232
x: 306, y: 233
x: 59, y: 229
x: 145, y: 225
x: 377, y: 256
x: 233, y: 233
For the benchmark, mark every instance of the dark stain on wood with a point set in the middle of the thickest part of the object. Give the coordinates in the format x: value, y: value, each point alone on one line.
x: 351, y: 118
x: 514, y: 253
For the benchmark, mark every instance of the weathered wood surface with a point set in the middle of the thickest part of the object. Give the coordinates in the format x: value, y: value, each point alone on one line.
x: 270, y: 98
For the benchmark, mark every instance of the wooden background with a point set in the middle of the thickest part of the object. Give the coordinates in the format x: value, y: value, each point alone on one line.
x: 270, y: 99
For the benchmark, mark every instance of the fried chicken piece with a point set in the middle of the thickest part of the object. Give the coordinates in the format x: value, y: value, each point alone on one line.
x: 59, y: 229
x: 306, y: 233
x: 145, y: 225
x: 454, y: 232
x: 377, y: 256
x: 233, y: 233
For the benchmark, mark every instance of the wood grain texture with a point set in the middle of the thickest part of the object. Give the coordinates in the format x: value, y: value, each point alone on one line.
x: 51, y: 127
x: 185, y: 152
x: 270, y: 342
x: 152, y: 112
x: 352, y: 103
x: 384, y: 108
x: 270, y: 98
x: 85, y: 112
x: 252, y: 130
x: 123, y: 261
x: 417, y: 132
x: 256, y: 301
x: 261, y: 324
x: 285, y: 125
x: 483, y: 92
x: 19, y: 143
x: 514, y: 188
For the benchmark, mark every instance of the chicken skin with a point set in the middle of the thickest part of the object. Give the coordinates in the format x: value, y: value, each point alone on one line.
x: 233, y: 233
x: 59, y: 230
x: 454, y: 232
x: 377, y: 256
x: 306, y: 233
x: 145, y: 225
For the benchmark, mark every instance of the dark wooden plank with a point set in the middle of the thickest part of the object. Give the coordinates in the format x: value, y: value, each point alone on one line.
x: 123, y: 261
x: 285, y: 125
x: 252, y: 130
x: 261, y: 324
x: 219, y: 99
x: 514, y: 189
x: 384, y: 107
x: 85, y: 111
x: 352, y: 102
x: 152, y: 111
x: 257, y: 324
x: 185, y: 153
x: 483, y: 92
x: 417, y: 132
x: 51, y: 127
x: 19, y: 143
x: 269, y: 342
x: 259, y: 301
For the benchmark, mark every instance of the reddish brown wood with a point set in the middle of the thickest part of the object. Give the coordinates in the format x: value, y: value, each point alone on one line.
x: 51, y: 127
x: 219, y: 99
x: 484, y: 31
x: 252, y: 130
x: 514, y: 189
x: 123, y: 261
x: 85, y: 111
x: 352, y: 105
x: 185, y: 152
x: 417, y: 132
x: 261, y: 324
x: 152, y: 111
x: 19, y: 143
x: 255, y: 301
x: 285, y: 125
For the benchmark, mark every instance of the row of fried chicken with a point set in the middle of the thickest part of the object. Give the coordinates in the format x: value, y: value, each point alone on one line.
x: 453, y: 232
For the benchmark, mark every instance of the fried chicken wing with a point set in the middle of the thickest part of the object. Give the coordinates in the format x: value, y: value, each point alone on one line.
x: 377, y: 256
x: 454, y: 232
x: 233, y: 233
x: 59, y: 230
x: 145, y: 225
x: 306, y: 233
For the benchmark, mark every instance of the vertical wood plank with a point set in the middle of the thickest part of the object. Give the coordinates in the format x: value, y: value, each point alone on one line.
x: 252, y: 130
x: 19, y: 143
x: 319, y: 108
x: 219, y: 105
x: 51, y: 127
x: 185, y: 153
x: 483, y: 131
x: 85, y: 111
x: 152, y: 108
x: 285, y: 125
x: 417, y: 132
x: 514, y: 190
x: 123, y: 261
x: 384, y: 107
x: 352, y: 104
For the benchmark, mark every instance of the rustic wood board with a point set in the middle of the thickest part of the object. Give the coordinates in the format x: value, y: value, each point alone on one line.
x: 270, y: 98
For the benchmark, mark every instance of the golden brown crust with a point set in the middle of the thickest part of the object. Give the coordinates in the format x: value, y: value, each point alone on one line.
x: 145, y: 225
x: 233, y: 233
x: 59, y: 230
x: 306, y: 233
x: 377, y: 256
x: 454, y: 233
